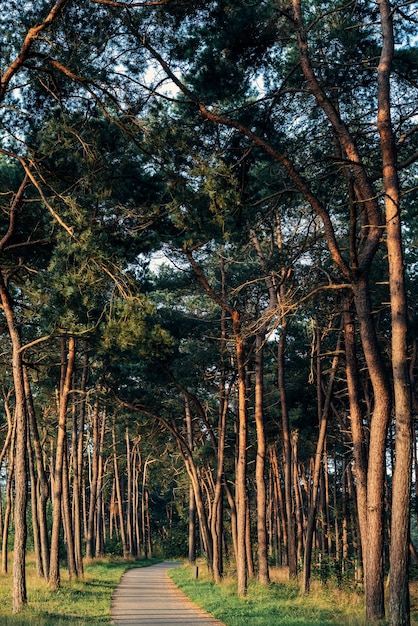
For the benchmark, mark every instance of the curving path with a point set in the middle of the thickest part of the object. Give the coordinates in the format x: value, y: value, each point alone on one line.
x: 147, y: 596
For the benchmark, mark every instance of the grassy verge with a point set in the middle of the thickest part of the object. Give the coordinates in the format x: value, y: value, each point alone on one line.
x: 280, y: 604
x: 80, y: 603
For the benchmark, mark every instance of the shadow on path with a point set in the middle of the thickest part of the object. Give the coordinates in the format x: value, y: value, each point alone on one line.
x: 147, y: 596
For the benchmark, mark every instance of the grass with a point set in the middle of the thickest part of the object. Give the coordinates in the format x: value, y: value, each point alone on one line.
x: 87, y: 602
x: 80, y: 603
x: 281, y: 603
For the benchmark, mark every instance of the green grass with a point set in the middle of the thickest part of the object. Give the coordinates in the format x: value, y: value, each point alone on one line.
x: 87, y: 602
x: 80, y: 603
x: 281, y: 603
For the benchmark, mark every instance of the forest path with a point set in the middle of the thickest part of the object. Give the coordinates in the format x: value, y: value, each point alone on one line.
x: 147, y: 596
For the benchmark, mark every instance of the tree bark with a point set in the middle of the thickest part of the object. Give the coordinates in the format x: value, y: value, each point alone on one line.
x: 287, y: 456
x: 90, y: 539
x: 376, y: 472
x: 262, y: 540
x: 9, y: 495
x: 356, y: 420
x: 66, y: 514
x: 67, y: 370
x: 78, y: 460
x: 20, y: 460
x: 42, y: 482
x: 399, y: 605
x: 119, y: 495
x: 34, y: 510
x: 192, y: 500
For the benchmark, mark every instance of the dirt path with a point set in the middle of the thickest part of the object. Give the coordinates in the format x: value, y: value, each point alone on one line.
x: 147, y: 596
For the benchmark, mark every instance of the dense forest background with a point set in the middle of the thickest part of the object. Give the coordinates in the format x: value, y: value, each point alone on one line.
x: 208, y: 259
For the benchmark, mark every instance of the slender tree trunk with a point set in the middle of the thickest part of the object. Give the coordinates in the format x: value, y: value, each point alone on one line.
x: 78, y: 460
x: 90, y: 542
x: 192, y: 501
x: 317, y: 470
x: 9, y: 497
x: 129, y: 517
x: 248, y: 543
x: 119, y: 496
x: 100, y: 522
x: 399, y: 606
x: 67, y: 370
x: 287, y: 456
x: 20, y: 464
x: 42, y: 481
x: 34, y: 511
x: 144, y: 504
x: 217, y: 508
x: 356, y: 420
x: 241, y: 465
x: 281, y: 518
x: 262, y: 539
x: 201, y: 512
x: 233, y: 512
x: 298, y: 499
x: 66, y: 514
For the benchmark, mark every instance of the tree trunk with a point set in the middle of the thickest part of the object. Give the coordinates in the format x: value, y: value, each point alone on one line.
x: 119, y: 496
x: 42, y: 482
x: 34, y: 511
x: 192, y: 500
x: 376, y: 472
x: 78, y: 459
x: 67, y: 370
x: 9, y: 497
x: 399, y: 606
x: 20, y: 463
x: 100, y: 522
x: 356, y: 420
x: 217, y: 508
x: 241, y: 465
x: 90, y: 543
x: 262, y: 548
x: 287, y: 456
x: 66, y: 514
x: 317, y: 469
